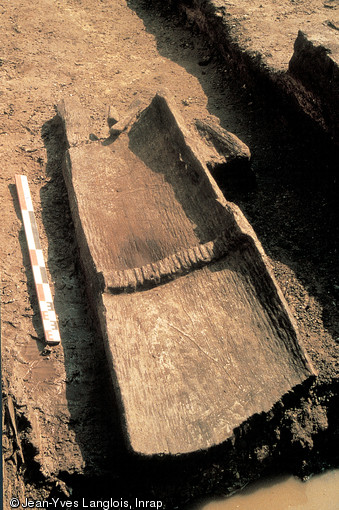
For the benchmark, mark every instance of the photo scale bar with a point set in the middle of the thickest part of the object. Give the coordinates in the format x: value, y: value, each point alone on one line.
x: 46, y: 306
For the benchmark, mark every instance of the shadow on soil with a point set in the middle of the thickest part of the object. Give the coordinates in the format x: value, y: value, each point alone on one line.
x: 293, y: 208
x: 94, y: 422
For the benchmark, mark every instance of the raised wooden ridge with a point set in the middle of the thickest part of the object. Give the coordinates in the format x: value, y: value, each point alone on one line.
x: 175, y: 265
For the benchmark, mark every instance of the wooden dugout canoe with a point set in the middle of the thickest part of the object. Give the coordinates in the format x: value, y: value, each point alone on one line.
x: 197, y: 332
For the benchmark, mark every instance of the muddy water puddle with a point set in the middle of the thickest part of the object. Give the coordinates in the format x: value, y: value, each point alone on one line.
x: 283, y: 493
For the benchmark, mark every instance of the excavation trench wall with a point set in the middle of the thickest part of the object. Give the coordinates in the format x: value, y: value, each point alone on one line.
x: 308, y: 86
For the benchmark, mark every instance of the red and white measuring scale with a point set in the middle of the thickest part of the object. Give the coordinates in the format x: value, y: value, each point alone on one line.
x: 47, y: 311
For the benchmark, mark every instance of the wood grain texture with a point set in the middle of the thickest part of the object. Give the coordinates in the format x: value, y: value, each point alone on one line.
x: 197, y: 333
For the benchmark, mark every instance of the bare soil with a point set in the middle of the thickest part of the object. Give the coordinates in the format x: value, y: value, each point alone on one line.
x: 59, y: 432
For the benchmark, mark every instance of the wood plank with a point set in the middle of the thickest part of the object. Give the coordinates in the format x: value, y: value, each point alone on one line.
x: 197, y: 332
